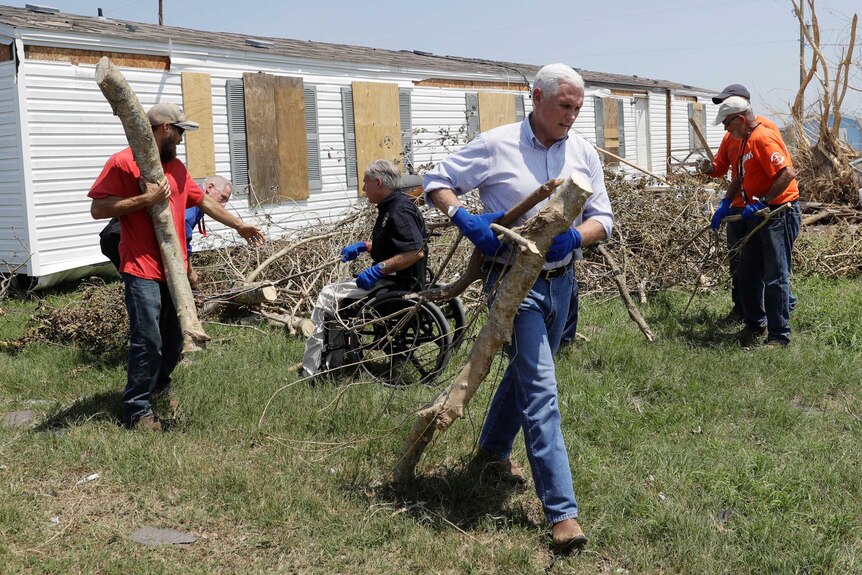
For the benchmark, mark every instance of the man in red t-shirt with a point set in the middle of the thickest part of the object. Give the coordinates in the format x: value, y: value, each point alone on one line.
x: 119, y: 191
x: 726, y: 158
x: 764, y: 178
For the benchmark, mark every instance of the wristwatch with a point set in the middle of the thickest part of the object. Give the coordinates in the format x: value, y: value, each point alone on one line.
x: 382, y: 266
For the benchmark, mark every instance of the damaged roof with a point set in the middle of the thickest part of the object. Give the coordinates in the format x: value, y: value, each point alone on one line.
x: 26, y: 19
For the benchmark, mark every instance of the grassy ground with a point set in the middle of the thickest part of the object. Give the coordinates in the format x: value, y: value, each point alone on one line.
x: 691, y: 455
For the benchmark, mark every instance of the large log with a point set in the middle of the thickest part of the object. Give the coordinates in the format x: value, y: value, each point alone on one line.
x: 448, y: 406
x: 139, y: 133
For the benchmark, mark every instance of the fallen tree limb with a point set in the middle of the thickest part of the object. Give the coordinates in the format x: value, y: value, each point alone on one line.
x: 248, y: 294
x: 630, y: 164
x: 139, y: 133
x: 449, y: 405
x: 699, y: 133
x: 283, y: 252
x: 620, y: 279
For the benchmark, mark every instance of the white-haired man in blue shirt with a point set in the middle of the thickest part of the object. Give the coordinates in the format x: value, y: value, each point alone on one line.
x: 506, y: 164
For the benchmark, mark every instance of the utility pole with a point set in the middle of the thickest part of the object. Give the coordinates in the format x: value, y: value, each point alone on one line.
x: 161, y: 20
x: 801, y: 41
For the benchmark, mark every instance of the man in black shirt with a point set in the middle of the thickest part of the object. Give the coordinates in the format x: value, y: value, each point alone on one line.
x: 396, y: 248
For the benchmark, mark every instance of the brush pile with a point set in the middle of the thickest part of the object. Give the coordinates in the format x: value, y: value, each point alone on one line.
x: 653, y: 226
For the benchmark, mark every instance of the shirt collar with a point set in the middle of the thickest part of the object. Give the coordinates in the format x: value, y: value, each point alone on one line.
x: 389, y: 199
x: 528, y: 136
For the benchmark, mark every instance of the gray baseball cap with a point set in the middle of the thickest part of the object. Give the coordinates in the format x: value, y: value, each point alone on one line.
x: 165, y: 113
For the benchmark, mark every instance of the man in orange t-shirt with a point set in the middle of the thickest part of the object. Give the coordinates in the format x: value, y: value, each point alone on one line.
x: 763, y: 178
x: 726, y: 159
x: 120, y: 192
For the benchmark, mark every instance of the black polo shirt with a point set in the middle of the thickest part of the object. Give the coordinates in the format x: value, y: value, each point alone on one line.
x: 400, y: 228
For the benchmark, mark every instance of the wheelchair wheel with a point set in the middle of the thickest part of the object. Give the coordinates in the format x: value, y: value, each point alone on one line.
x: 454, y: 312
x: 399, y: 342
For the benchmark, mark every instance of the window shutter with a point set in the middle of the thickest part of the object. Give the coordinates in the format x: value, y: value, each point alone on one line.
x: 472, y: 101
x: 519, y: 109
x: 600, y: 121
x: 349, y: 137
x: 621, y: 125
x: 236, y: 136
x: 315, y: 176
x: 698, y: 112
x: 405, y: 109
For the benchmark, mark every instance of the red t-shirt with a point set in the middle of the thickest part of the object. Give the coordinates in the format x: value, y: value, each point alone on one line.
x: 139, y: 250
x: 727, y: 156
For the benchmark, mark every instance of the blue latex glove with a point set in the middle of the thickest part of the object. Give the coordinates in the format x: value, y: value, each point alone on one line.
x: 750, y: 211
x: 563, y: 245
x: 369, y: 276
x: 721, y: 212
x: 351, y: 252
x: 478, y: 230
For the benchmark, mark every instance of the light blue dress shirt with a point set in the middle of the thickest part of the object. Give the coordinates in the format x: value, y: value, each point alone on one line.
x: 508, y: 163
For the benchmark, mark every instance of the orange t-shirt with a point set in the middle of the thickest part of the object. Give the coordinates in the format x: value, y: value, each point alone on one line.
x: 763, y: 156
x: 727, y: 156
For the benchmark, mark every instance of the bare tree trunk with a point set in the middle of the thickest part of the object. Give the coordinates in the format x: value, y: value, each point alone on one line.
x: 449, y: 406
x: 139, y: 133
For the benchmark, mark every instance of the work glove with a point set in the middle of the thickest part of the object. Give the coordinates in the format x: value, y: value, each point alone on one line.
x: 704, y: 166
x: 563, y: 244
x: 351, y: 252
x: 369, y: 276
x: 749, y: 214
x: 721, y: 212
x: 478, y: 230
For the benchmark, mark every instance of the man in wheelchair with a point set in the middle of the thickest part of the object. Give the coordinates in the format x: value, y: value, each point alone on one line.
x: 399, y: 260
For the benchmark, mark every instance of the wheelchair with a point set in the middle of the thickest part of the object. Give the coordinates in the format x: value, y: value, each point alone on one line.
x: 397, y: 341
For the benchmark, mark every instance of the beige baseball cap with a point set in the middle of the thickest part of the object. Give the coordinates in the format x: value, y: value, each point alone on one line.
x: 165, y: 113
x: 732, y: 105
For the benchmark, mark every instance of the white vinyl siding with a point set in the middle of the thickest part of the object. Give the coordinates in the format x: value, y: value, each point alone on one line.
x: 14, y: 242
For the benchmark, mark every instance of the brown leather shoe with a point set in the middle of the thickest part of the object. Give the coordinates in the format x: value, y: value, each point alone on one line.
x: 567, y: 534
x: 503, y: 470
x: 152, y: 423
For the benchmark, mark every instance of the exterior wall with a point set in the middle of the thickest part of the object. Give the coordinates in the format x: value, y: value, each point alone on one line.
x: 658, y: 131
x: 72, y: 132
x: 14, y: 243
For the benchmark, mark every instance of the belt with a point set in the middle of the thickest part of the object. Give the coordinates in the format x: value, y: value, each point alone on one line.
x: 544, y: 274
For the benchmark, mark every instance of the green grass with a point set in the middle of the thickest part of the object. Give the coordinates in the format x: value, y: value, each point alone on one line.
x: 690, y: 455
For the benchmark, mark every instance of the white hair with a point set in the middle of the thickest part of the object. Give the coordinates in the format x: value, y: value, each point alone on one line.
x: 552, y: 75
x: 385, y: 171
x: 219, y: 182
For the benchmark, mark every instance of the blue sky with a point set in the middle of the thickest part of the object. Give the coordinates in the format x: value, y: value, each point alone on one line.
x: 705, y: 43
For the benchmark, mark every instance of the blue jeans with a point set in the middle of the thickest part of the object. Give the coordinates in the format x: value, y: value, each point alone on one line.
x: 154, y: 347
x: 763, y: 271
x: 527, y: 396
x: 571, y: 328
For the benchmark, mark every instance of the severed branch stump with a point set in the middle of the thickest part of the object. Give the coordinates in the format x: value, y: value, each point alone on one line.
x: 139, y: 133
x: 449, y: 405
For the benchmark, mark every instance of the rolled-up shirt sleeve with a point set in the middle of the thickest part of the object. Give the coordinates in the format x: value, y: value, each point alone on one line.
x: 598, y: 206
x: 462, y: 171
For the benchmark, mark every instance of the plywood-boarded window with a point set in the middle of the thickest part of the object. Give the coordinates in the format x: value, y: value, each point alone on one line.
x: 696, y: 111
x: 273, y: 120
x: 495, y: 109
x: 198, y: 106
x: 487, y: 110
x: 610, y: 127
x: 372, y: 126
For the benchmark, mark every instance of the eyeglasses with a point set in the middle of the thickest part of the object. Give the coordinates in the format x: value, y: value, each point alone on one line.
x: 726, y: 122
x: 180, y: 130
